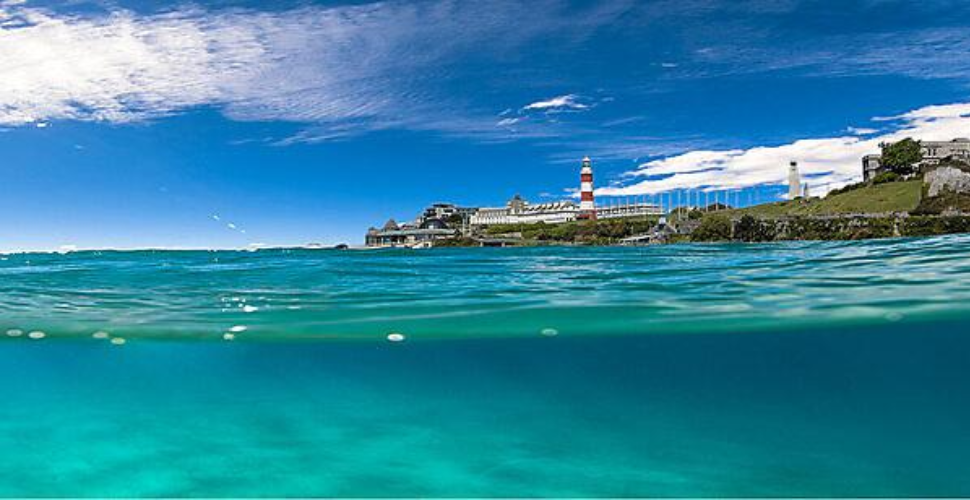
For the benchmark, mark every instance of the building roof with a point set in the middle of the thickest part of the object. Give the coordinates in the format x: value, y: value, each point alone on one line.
x: 391, y: 225
x: 551, y: 206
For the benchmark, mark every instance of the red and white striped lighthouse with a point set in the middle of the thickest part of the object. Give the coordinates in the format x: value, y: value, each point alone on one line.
x: 587, y: 206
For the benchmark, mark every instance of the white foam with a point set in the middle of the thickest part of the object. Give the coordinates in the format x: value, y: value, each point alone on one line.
x: 239, y: 328
x: 249, y: 309
x: 228, y: 336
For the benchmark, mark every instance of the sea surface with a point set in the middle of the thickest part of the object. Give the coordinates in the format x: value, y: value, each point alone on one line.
x: 790, y: 369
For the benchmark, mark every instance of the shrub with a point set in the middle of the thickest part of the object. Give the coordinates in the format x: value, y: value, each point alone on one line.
x: 597, y: 232
x: 847, y: 188
x: 456, y: 242
x: 930, y: 225
x: 713, y: 228
x: 885, y: 177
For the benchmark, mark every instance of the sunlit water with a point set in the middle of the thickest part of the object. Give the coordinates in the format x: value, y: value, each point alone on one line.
x: 698, y: 370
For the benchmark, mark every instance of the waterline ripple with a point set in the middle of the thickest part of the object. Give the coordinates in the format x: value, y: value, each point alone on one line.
x: 461, y: 293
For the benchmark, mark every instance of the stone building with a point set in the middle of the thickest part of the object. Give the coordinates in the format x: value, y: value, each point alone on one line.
x: 933, y: 153
x: 871, y: 166
x: 445, y: 212
x: 409, y: 235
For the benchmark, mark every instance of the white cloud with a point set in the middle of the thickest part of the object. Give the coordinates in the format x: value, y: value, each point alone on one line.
x: 563, y: 102
x: 826, y: 163
x: 936, y: 113
x: 119, y: 68
x: 341, y: 70
x: 861, y: 130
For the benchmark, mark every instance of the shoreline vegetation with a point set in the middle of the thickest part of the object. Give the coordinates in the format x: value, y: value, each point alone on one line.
x: 887, y: 206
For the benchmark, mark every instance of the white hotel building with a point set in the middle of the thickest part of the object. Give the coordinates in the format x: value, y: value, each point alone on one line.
x: 520, y: 211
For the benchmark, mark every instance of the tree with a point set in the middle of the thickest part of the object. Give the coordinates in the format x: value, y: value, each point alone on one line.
x: 901, y: 157
x: 455, y: 220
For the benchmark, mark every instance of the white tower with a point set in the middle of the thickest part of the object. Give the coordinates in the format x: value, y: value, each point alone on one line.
x: 794, y: 181
x: 587, y: 206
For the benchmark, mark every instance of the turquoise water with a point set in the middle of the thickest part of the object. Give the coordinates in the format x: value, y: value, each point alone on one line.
x: 794, y: 369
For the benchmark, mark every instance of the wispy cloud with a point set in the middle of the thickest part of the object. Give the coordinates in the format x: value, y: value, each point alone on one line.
x: 941, y: 52
x: 341, y: 70
x: 560, y: 103
x: 829, y: 162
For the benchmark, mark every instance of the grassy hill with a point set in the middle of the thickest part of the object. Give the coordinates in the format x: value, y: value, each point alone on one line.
x: 881, y: 198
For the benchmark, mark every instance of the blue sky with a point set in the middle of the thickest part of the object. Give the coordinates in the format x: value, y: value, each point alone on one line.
x: 232, y: 123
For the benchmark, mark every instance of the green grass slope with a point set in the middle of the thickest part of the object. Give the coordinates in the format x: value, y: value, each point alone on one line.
x: 882, y: 198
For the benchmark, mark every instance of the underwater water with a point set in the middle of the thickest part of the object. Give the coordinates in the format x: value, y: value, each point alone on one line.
x: 795, y: 369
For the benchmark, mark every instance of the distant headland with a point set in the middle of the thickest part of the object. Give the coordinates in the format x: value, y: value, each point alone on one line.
x: 912, y: 188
